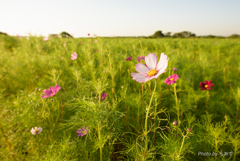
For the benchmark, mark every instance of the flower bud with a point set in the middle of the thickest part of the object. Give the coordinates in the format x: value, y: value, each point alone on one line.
x: 189, y: 130
x: 175, y: 123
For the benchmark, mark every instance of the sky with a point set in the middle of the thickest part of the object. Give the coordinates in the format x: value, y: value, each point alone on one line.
x: 119, y: 17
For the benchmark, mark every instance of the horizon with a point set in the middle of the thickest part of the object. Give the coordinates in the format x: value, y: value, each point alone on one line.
x: 120, y: 19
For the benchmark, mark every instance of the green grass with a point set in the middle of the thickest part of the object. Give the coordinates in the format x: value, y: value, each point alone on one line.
x: 117, y: 124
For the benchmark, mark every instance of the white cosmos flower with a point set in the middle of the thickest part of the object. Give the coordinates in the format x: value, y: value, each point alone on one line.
x: 37, y: 130
x: 152, y: 69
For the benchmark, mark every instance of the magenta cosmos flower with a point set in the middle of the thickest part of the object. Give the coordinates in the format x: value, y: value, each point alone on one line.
x: 103, y: 96
x: 140, y: 58
x: 175, y: 69
x: 88, y: 34
x: 74, y: 56
x: 45, y: 39
x: 51, y: 91
x: 129, y: 58
x: 206, y: 85
x: 171, y: 79
x: 83, y: 131
x: 152, y: 69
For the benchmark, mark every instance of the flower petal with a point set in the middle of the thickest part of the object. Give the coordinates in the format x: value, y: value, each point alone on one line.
x: 141, y: 68
x: 163, y: 62
x: 175, y: 76
x: 151, y: 61
x: 140, y: 77
x: 47, y: 92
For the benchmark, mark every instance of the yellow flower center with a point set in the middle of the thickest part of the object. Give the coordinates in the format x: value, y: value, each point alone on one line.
x: 152, y: 72
x: 36, y: 131
x: 206, y: 86
x: 83, y: 132
x: 171, y: 79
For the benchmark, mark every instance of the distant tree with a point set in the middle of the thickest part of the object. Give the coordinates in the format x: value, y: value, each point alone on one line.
x: 184, y: 34
x: 157, y: 34
x: 234, y: 36
x: 53, y: 35
x: 3, y: 33
x: 65, y: 34
x: 210, y: 36
x: 168, y: 34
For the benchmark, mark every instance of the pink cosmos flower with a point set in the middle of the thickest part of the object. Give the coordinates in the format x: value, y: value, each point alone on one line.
x: 206, y: 85
x: 95, y: 50
x: 103, y: 96
x: 171, y: 79
x: 83, y: 131
x: 51, y: 91
x: 88, y: 34
x: 45, y: 39
x: 95, y: 41
x: 40, y: 48
x: 74, y: 56
x: 140, y: 58
x: 175, y: 69
x: 19, y: 36
x: 152, y: 69
x: 129, y: 58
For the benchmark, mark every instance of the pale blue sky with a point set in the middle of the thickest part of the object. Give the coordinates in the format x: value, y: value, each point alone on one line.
x: 119, y: 17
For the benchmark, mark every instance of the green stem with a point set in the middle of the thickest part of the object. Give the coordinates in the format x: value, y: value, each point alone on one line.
x: 181, y: 146
x: 176, y: 99
x: 99, y: 130
x: 146, y: 130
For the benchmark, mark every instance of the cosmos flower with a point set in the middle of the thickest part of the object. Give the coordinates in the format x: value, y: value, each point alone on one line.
x: 83, y: 131
x: 206, y: 85
x: 103, y: 96
x: 45, y: 39
x: 152, y: 69
x: 95, y: 50
x: 129, y: 58
x: 95, y: 41
x: 88, y: 34
x: 175, y: 69
x: 19, y: 36
x: 74, y: 56
x: 140, y: 58
x: 36, y: 130
x: 80, y: 42
x: 171, y: 79
x: 51, y: 91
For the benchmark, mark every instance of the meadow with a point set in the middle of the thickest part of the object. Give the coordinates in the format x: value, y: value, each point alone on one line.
x: 118, y: 118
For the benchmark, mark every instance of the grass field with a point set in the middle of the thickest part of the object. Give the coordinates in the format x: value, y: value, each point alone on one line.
x: 208, y: 120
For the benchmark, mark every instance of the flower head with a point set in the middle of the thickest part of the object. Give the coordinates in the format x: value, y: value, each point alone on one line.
x: 171, y: 79
x: 95, y: 41
x: 140, y: 59
x: 51, y: 91
x: 206, y: 85
x: 88, y: 34
x: 103, y: 96
x: 45, y: 39
x: 83, y: 131
x: 74, y: 56
x: 95, y: 50
x: 175, y: 69
x: 129, y: 58
x: 80, y: 42
x: 19, y: 36
x: 152, y: 69
x: 36, y: 130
